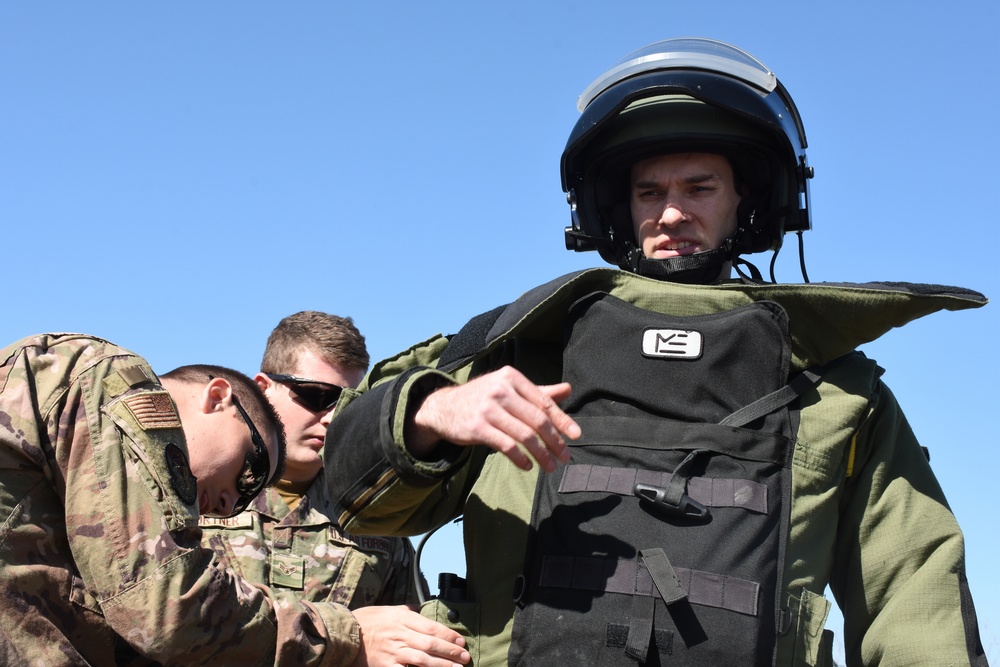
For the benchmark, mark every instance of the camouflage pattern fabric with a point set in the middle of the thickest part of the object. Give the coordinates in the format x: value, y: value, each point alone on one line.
x: 304, y: 554
x: 100, y: 561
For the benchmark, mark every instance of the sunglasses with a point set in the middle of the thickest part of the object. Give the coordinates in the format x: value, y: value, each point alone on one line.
x: 256, y: 466
x: 313, y: 395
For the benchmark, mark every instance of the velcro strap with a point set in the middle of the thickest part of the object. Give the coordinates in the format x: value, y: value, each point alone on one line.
x: 640, y: 628
x: 617, y: 636
x: 709, y: 491
x: 136, y: 375
x: 631, y: 577
x: 663, y: 575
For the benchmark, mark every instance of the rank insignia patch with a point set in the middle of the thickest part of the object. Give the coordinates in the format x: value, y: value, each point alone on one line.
x: 287, y: 570
x: 181, y: 478
x: 153, y: 410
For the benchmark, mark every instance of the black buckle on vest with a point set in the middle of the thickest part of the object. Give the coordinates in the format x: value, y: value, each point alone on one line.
x: 656, y: 497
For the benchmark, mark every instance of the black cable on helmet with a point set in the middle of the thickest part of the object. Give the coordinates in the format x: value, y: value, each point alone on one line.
x: 802, y: 256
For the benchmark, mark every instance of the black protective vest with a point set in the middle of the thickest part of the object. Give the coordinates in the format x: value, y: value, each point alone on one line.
x: 662, y: 543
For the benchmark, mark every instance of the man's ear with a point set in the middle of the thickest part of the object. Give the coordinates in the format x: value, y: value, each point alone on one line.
x: 263, y: 382
x: 216, y: 395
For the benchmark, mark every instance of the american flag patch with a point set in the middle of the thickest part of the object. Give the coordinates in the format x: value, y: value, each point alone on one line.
x: 153, y: 411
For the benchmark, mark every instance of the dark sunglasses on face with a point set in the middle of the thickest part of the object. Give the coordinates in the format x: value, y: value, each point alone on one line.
x: 256, y: 466
x: 313, y: 395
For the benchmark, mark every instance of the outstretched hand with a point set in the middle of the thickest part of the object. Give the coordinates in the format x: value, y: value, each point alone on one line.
x: 500, y: 410
x: 397, y: 636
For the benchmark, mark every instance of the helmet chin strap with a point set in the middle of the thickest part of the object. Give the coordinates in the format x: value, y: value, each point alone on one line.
x: 703, y: 268
x: 755, y: 278
x: 699, y: 268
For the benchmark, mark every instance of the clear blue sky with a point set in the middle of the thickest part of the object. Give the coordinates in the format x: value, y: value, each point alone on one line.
x: 176, y: 177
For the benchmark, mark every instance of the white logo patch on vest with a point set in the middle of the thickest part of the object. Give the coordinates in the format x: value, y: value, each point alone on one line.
x: 672, y: 343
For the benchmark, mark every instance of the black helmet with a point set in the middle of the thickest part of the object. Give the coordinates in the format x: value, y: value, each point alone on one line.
x: 680, y: 95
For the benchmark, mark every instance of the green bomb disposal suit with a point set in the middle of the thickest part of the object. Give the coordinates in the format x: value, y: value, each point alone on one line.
x: 843, y: 492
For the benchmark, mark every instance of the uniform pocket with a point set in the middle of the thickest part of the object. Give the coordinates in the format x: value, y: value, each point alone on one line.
x: 462, y: 617
x: 813, y: 642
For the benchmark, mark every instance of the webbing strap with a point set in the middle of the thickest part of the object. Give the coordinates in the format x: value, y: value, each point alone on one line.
x: 631, y: 577
x: 663, y: 575
x: 711, y: 492
x: 673, y: 490
x: 776, y: 399
x: 640, y: 628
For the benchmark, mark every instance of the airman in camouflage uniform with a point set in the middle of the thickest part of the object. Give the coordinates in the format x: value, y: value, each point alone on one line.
x: 286, y: 538
x: 100, y: 561
x: 302, y: 552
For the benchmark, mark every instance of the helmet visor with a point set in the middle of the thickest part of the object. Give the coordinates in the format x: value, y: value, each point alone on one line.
x: 685, y: 53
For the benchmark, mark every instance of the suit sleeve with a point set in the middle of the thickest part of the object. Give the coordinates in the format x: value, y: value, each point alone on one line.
x: 376, y: 486
x: 900, y: 575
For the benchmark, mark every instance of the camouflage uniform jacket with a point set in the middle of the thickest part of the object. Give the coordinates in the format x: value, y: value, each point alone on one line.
x: 868, y: 518
x: 304, y: 553
x: 100, y: 560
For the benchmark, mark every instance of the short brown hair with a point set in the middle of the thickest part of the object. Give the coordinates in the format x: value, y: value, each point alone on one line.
x: 250, y: 396
x: 334, y: 339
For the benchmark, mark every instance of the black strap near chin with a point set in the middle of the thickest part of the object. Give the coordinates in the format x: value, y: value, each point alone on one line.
x: 699, y: 268
x: 755, y: 278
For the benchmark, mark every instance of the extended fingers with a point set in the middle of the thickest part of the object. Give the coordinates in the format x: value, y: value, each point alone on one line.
x: 431, y: 644
x: 531, y: 427
x: 514, y: 426
x: 537, y: 422
x: 502, y: 410
x: 425, y: 626
x: 562, y: 421
x: 436, y: 653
